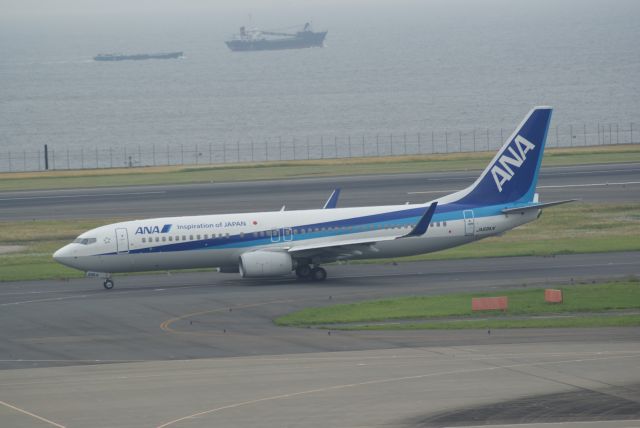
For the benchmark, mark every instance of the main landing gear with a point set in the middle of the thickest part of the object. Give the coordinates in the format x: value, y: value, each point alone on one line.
x: 305, y: 272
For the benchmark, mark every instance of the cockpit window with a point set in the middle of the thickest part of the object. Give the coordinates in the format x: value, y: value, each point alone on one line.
x: 85, y: 241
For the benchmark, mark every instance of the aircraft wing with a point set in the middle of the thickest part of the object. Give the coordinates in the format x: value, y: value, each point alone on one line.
x: 350, y: 247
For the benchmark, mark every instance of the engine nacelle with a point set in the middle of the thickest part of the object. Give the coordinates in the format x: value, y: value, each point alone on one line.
x: 256, y: 264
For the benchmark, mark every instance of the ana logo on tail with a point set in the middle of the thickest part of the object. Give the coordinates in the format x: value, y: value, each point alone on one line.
x: 502, y: 171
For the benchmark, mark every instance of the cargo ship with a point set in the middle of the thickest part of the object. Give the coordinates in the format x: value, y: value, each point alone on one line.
x: 136, y: 57
x: 258, y: 40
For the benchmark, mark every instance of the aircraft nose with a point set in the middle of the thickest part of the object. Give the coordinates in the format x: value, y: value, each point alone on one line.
x: 63, y: 256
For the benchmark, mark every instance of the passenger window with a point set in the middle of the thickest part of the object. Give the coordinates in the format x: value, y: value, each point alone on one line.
x: 164, y: 239
x: 184, y: 237
x: 241, y: 235
x: 144, y: 240
x: 206, y: 236
x: 157, y: 239
x: 171, y: 238
x: 226, y: 235
x: 198, y: 237
x: 444, y: 223
x: 190, y: 237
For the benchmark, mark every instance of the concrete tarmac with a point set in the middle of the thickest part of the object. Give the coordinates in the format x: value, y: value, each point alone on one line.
x: 590, y: 183
x: 586, y: 384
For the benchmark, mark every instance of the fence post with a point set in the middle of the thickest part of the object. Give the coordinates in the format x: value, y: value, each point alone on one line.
x: 487, y: 139
x: 610, y: 135
x: 571, y: 135
x: 474, y: 140
x: 433, y: 147
x: 446, y: 141
x: 280, y: 148
x: 46, y: 157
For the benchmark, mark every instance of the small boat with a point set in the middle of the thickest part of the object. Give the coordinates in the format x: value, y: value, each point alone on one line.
x: 137, y: 57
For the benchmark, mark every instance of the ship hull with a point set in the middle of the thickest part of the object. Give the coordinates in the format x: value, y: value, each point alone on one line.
x: 309, y: 40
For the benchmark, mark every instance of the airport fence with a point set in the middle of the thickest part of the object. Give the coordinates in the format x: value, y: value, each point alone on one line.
x: 56, y: 157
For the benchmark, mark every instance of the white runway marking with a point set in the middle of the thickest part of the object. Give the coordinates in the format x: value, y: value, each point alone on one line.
x: 54, y: 299
x: 83, y: 196
x: 559, y: 186
x: 31, y: 414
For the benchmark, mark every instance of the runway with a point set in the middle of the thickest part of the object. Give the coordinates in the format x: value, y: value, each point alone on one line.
x: 589, y: 183
x: 199, y: 349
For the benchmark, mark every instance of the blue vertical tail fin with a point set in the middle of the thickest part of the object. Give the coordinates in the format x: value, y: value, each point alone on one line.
x: 512, y: 174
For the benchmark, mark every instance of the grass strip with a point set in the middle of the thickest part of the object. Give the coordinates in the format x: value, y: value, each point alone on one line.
x: 299, y: 169
x: 454, y: 310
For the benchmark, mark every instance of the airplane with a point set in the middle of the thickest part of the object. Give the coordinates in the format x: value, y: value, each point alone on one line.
x: 279, y: 243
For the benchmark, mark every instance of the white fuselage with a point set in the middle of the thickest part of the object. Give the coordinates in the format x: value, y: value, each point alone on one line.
x: 219, y: 240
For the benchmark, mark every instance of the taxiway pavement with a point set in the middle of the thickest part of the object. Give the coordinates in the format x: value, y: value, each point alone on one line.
x: 590, y: 183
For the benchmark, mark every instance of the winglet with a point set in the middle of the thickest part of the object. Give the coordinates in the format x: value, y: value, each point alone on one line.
x: 332, y: 202
x: 423, y: 224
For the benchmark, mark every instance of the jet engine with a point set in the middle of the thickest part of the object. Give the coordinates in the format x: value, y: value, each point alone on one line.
x: 256, y: 264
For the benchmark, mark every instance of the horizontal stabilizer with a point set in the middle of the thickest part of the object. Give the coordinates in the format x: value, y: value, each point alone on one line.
x: 424, y: 222
x: 332, y: 202
x: 535, y: 206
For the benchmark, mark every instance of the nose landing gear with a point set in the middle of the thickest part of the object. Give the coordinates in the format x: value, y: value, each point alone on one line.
x: 108, y: 283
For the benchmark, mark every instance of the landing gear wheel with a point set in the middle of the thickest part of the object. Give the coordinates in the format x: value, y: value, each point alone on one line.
x: 318, y: 274
x: 108, y: 284
x: 303, y: 272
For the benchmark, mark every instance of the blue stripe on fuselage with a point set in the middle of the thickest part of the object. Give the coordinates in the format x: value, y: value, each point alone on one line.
x: 447, y: 212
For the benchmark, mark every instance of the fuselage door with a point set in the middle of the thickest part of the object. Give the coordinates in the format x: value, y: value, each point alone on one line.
x: 275, y: 235
x: 286, y: 234
x: 469, y: 223
x: 122, y: 240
